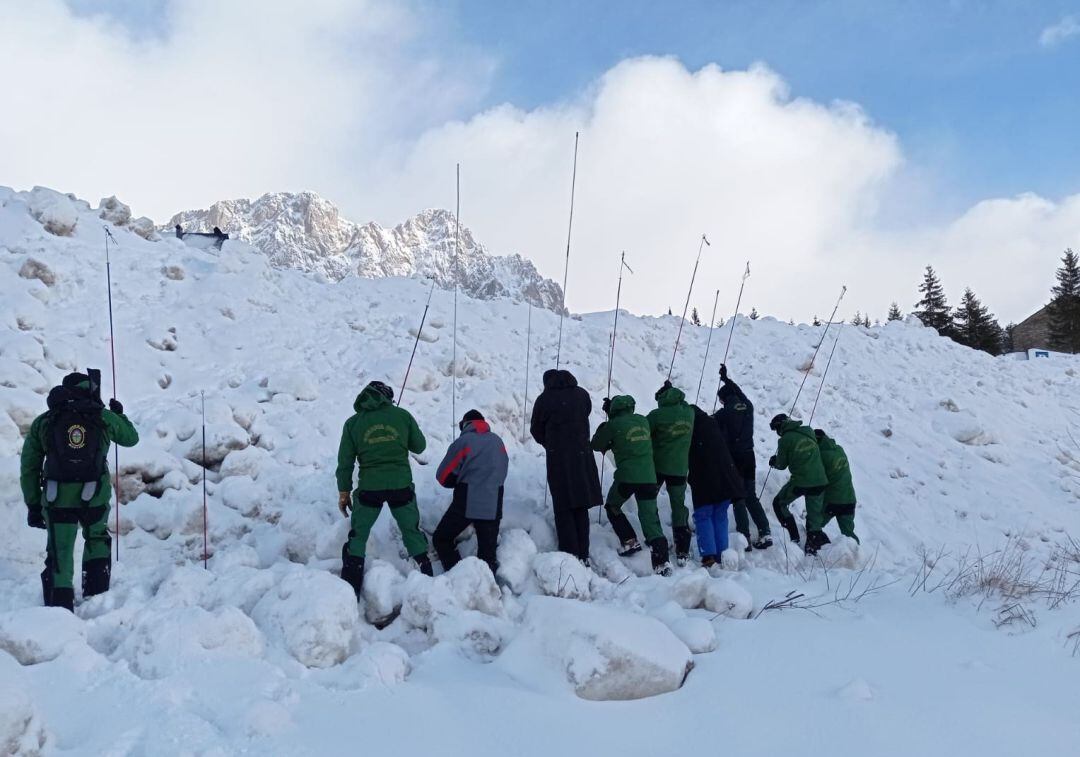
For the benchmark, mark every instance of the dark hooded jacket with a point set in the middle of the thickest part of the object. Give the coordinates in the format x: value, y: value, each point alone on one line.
x: 736, y: 418
x: 713, y: 476
x: 475, y: 467
x: 560, y: 422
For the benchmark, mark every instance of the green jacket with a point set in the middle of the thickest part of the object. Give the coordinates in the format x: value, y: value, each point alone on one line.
x: 117, y: 428
x: 672, y: 424
x: 379, y: 437
x: 840, y: 490
x: 629, y: 437
x: 798, y: 451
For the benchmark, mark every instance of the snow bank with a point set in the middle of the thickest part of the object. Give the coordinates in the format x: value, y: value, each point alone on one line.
x: 39, y: 634
x: 601, y: 653
x: 21, y: 729
x: 56, y: 212
x: 561, y: 575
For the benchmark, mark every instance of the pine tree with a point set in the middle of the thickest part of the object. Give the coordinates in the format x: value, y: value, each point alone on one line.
x: 857, y: 320
x: 791, y: 322
x: 975, y: 327
x: 817, y: 321
x: 932, y: 309
x: 669, y: 311
x: 894, y: 313
x: 1007, y: 343
x: 1064, y: 307
x: 753, y: 314
x: 695, y: 318
x: 720, y: 323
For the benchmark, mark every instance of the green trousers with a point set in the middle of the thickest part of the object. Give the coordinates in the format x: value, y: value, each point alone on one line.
x: 676, y: 490
x: 648, y: 515
x: 815, y: 505
x: 62, y: 525
x: 366, y: 509
x: 845, y: 518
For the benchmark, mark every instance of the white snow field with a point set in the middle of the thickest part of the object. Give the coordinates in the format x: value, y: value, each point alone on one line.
x: 952, y: 629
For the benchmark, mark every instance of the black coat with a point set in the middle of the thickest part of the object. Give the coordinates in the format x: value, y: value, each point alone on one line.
x: 560, y: 422
x: 713, y: 476
x: 736, y: 418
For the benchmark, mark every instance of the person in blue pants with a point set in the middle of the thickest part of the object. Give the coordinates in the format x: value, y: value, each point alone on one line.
x: 714, y: 483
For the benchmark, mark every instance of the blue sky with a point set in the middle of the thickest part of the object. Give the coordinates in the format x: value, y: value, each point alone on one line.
x: 961, y: 152
x: 973, y: 95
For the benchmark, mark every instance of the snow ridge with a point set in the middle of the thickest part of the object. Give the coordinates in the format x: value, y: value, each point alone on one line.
x: 306, y: 232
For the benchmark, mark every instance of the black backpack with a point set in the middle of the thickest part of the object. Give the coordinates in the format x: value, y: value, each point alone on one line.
x: 73, y: 452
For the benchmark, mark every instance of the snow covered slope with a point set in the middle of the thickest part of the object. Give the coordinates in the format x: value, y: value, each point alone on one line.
x: 951, y: 450
x: 306, y: 232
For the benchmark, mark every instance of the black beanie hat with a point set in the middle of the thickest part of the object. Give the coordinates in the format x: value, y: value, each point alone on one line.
x: 469, y: 417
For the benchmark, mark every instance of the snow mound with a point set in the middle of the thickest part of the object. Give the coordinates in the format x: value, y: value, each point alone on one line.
x: 469, y: 586
x: 382, y: 591
x: 561, y: 575
x: 56, y: 212
x: 601, y: 653
x: 39, y: 634
x: 515, y: 555
x: 312, y: 614
x: 21, y: 729
x: 724, y: 596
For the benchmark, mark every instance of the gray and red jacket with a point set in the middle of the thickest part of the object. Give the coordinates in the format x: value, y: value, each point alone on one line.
x: 475, y: 468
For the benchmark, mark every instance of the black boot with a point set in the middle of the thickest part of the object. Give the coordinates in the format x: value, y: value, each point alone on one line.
x: 621, y: 525
x: 749, y: 544
x: 815, y: 540
x: 423, y: 563
x: 792, y: 528
x: 660, y: 563
x: 682, y: 544
x: 46, y: 587
x: 95, y: 576
x: 352, y: 571
x: 63, y: 598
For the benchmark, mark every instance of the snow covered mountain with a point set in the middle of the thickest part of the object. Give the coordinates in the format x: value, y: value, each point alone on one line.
x: 306, y: 232
x: 951, y: 629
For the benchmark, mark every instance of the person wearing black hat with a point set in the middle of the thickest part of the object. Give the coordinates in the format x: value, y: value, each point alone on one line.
x: 378, y: 440
x: 66, y: 483
x: 475, y: 467
x: 560, y: 422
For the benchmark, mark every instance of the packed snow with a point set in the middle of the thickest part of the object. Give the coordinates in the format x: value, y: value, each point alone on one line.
x: 942, y: 633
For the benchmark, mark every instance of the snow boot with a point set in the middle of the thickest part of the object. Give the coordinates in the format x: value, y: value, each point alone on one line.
x: 660, y: 563
x: 352, y: 571
x: 629, y: 547
x: 423, y: 563
x: 683, y: 537
x: 792, y: 528
x: 815, y: 540
x: 708, y: 561
x: 749, y: 544
x: 764, y: 542
x: 63, y: 598
x: 46, y: 587
x: 95, y: 576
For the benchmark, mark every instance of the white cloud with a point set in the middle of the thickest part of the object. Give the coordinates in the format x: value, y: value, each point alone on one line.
x: 1055, y: 34
x: 353, y: 100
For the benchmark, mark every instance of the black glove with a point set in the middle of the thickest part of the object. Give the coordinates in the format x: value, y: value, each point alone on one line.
x: 606, y: 404
x: 35, y: 518
x: 115, y: 406
x: 662, y: 389
x: 723, y: 372
x: 772, y: 461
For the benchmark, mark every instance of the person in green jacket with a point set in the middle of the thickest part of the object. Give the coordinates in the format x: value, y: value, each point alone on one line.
x: 840, y: 491
x: 672, y: 425
x: 798, y: 452
x: 629, y: 437
x: 378, y: 440
x: 65, y: 481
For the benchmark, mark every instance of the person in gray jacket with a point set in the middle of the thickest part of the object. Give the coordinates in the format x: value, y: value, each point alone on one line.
x: 475, y: 468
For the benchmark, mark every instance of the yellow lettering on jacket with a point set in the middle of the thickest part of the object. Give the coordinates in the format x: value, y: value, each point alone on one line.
x: 380, y: 433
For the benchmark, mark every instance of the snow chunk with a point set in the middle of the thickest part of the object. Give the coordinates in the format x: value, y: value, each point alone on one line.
x: 698, y: 634
x: 38, y: 634
x: 561, y: 575
x: 114, y: 211
x: 515, y: 557
x: 688, y: 590
x: 724, y: 596
x: 382, y: 591
x: 250, y: 462
x: 21, y: 729
x: 313, y: 614
x: 469, y: 586
x: 299, y: 384
x: 602, y: 653
x: 56, y: 212
x: 35, y: 269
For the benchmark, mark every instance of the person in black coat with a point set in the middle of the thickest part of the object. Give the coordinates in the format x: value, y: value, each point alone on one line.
x: 560, y: 422
x: 736, y: 418
x: 715, y: 482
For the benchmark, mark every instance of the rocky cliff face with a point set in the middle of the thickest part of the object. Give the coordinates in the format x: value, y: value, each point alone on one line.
x: 306, y: 232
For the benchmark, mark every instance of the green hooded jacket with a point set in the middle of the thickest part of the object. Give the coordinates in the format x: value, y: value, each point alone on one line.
x: 116, y: 429
x: 672, y: 424
x: 629, y: 437
x: 379, y: 438
x: 841, y: 491
x: 798, y: 451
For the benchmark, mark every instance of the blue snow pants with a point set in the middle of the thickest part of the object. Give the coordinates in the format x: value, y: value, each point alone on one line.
x: 711, y: 522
